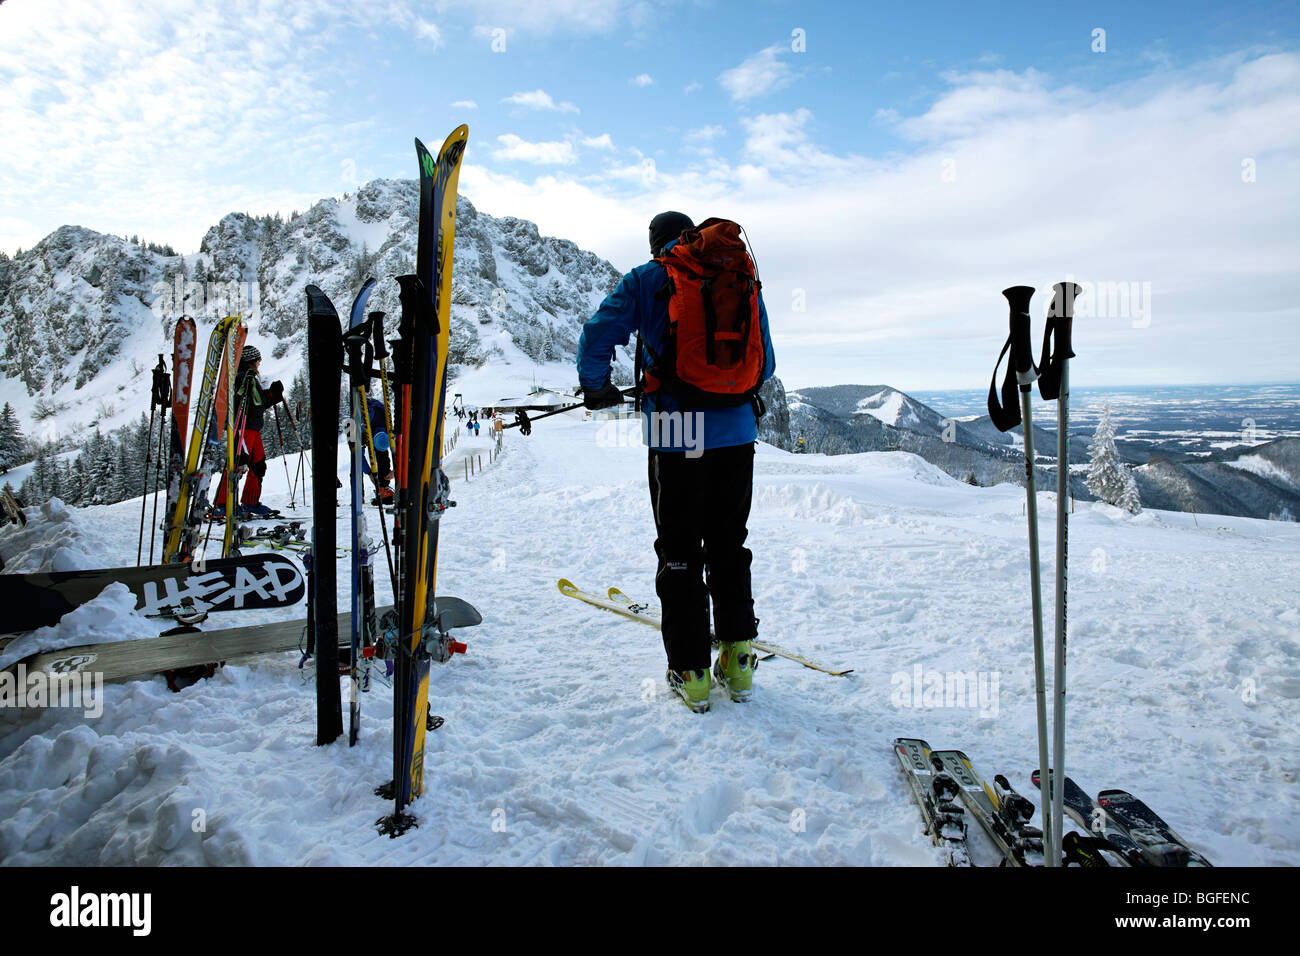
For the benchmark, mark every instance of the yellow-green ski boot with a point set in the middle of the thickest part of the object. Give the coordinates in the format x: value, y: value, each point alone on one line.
x: 692, y: 687
x: 734, y: 669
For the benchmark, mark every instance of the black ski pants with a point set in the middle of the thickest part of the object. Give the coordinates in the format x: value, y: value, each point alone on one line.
x: 701, y: 508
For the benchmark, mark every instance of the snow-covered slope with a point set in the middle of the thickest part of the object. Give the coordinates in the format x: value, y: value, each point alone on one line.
x: 562, y: 746
x: 83, y: 316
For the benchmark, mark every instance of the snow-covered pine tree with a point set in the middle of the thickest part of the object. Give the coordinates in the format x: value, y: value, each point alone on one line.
x: 13, y: 445
x: 43, y: 483
x: 1108, y: 479
x: 300, y: 401
x: 130, y: 455
x: 71, y: 480
x: 101, y: 470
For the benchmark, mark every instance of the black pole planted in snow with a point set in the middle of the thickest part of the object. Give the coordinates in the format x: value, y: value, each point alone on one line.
x: 1054, y: 384
x: 159, y: 395
x: 1020, y: 376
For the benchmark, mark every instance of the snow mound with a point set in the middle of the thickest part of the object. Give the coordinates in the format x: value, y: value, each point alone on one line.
x: 52, y: 540
x: 107, y: 801
x: 817, y: 502
x: 109, y: 617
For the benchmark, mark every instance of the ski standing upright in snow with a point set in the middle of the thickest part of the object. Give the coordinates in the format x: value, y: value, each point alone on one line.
x: 325, y: 360
x: 358, y: 353
x: 184, y: 339
x: 234, y: 426
x: 419, y: 631
x: 186, y: 517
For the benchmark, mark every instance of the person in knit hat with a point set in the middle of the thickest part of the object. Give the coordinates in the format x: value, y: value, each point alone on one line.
x: 251, y: 403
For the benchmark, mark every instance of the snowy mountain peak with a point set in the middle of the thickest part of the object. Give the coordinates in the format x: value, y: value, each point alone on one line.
x: 82, y: 314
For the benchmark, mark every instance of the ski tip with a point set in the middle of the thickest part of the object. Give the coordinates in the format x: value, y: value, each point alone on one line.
x: 565, y: 585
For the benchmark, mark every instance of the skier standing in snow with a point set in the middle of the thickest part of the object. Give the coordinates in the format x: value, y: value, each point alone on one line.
x: 252, y: 401
x: 701, y: 447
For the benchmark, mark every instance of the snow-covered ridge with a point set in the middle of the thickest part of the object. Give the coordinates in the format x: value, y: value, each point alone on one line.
x: 83, y: 315
x: 1264, y: 468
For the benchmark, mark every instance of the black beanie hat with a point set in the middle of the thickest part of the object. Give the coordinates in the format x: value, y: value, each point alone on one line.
x: 666, y: 227
x: 249, y: 355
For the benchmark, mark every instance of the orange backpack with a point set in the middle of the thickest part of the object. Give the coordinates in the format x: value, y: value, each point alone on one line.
x: 713, y: 356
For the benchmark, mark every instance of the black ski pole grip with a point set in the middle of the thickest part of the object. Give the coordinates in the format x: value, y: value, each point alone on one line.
x: 1022, y: 357
x: 1005, y: 410
x: 162, y: 385
x: 1057, y: 339
x: 377, y: 332
x: 415, y: 308
x: 360, y: 353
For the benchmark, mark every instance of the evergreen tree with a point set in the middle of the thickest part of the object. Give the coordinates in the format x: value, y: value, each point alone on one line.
x: 43, y: 483
x: 100, y: 470
x: 1108, y: 479
x: 129, y: 460
x: 300, y: 401
x: 72, y: 483
x: 13, y: 445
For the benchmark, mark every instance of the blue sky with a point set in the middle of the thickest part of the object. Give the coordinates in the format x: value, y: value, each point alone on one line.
x: 896, y: 165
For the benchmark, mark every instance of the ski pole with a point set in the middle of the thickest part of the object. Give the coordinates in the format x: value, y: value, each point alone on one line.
x: 293, y: 426
x: 1054, y: 383
x: 284, y: 456
x: 144, y: 497
x: 564, y: 408
x: 159, y: 395
x: 153, y: 529
x: 359, y: 351
x: 302, y: 447
x: 1021, y: 374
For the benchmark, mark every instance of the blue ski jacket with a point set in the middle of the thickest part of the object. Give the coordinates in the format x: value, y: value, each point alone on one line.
x: 632, y: 307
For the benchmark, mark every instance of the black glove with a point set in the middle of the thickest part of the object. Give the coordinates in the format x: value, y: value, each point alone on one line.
x: 275, y: 394
x: 605, y: 397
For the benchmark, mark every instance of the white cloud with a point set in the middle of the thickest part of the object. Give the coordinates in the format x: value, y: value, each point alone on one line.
x: 539, y: 100
x: 692, y: 87
x: 901, y: 261
x: 425, y: 30
x: 978, y: 100
x: 464, y: 105
x: 781, y: 141
x: 579, y: 16
x: 599, y: 142
x: 642, y: 79
x: 764, y: 72
x: 642, y: 173
x: 142, y: 102
x: 700, y: 141
x: 515, y: 149
x: 705, y: 134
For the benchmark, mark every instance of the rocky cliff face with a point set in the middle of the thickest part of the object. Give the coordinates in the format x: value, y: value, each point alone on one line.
x: 83, y: 315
